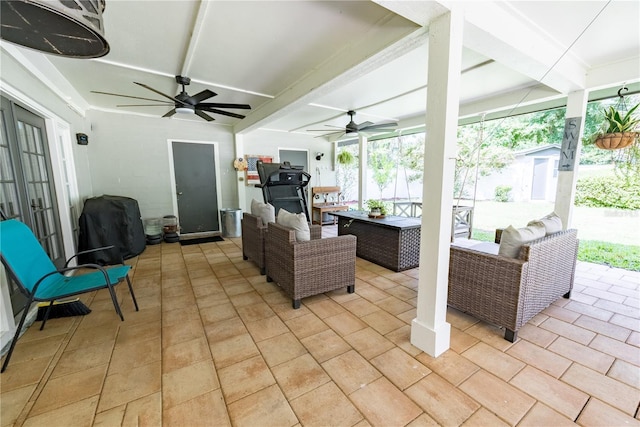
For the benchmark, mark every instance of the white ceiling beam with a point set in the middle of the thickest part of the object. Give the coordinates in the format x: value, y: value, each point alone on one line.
x: 627, y: 71
x: 420, y: 12
x: 196, y: 31
x: 516, y: 43
x: 354, y: 60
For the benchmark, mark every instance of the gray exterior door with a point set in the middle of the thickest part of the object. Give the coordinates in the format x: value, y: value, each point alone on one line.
x: 195, y: 174
x: 539, y: 184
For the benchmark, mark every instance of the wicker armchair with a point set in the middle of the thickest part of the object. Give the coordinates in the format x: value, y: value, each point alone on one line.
x: 253, y: 233
x: 312, y: 267
x: 508, y: 292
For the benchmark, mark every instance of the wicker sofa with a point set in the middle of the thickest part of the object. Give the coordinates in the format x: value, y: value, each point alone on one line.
x: 307, y: 268
x: 508, y: 292
x: 253, y: 234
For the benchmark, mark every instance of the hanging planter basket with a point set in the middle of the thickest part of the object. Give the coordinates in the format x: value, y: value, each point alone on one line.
x: 616, y: 141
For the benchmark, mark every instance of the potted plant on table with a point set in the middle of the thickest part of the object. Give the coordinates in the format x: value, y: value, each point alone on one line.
x: 619, y: 131
x: 377, y: 208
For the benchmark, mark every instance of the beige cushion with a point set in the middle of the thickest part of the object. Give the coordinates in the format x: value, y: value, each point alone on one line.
x: 296, y: 221
x: 266, y: 211
x: 513, y: 238
x: 552, y: 223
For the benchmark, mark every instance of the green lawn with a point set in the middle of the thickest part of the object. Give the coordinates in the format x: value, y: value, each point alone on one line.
x: 607, y: 236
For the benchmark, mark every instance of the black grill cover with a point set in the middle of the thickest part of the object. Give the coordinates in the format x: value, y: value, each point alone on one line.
x: 110, y: 220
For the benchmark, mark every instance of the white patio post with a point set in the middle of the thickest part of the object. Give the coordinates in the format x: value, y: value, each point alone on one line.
x: 241, y: 185
x: 430, y: 331
x: 363, y: 144
x: 570, y: 156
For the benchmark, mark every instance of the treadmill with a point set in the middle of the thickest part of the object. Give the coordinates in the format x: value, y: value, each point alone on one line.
x: 283, y: 186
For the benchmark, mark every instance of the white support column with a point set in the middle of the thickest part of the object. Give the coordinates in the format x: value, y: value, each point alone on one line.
x: 363, y: 144
x: 240, y: 175
x: 570, y: 156
x: 430, y: 331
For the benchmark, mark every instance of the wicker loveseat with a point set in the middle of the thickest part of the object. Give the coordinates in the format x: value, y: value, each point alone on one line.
x: 508, y: 292
x: 307, y: 268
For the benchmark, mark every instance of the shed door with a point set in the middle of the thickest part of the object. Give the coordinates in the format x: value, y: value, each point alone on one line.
x: 539, y: 185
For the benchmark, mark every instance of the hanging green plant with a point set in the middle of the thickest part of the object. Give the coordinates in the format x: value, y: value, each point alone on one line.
x: 620, y: 130
x: 345, y: 158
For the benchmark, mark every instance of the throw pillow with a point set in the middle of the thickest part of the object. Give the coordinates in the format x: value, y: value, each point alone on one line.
x: 296, y: 221
x: 513, y: 238
x: 552, y: 223
x: 266, y: 211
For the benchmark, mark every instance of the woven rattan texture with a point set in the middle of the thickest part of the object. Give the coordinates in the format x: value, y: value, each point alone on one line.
x: 253, y: 233
x: 309, y: 268
x: 394, y: 248
x: 509, y: 292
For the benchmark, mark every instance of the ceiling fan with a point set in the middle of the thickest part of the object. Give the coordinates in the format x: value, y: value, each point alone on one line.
x: 184, y: 103
x: 352, y: 128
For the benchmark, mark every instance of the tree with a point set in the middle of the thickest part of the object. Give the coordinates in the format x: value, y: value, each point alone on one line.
x: 346, y: 176
x: 382, y: 161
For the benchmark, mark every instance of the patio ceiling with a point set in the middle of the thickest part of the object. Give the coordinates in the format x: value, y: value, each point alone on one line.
x: 303, y: 64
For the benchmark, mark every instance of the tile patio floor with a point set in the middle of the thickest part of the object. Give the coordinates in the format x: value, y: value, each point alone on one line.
x: 214, y: 344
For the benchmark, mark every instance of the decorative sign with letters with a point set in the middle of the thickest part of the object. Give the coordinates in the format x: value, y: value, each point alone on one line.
x: 569, y: 143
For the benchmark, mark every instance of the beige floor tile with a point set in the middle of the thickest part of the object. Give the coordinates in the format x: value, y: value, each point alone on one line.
x: 609, y: 390
x: 350, y: 371
x: 461, y: 341
x: 80, y: 359
x: 561, y: 313
x: 325, y: 345
x: 625, y: 372
x: 424, y: 420
x: 383, y: 404
x: 345, y: 323
x: 554, y: 393
x: 596, y: 360
x: 233, y: 350
x: 265, y: 408
x: 620, y: 350
x: 70, y: 389
x: 218, y: 313
x: 383, y: 322
x: 281, y: 349
x: 225, y: 329
x: 484, y: 418
x: 75, y: 414
x: 133, y: 355
x: 394, y: 305
x: 504, y: 400
x: 459, y: 319
x: 450, y: 366
x: 545, y: 360
x: 36, y: 349
x: 535, y: 335
x: 266, y: 328
x: 22, y: 374
x: 369, y: 343
x: 311, y: 408
x: 401, y: 337
x: 370, y: 293
x: 603, y: 328
x: 255, y: 312
x: 185, y: 354
x: 181, y: 332
x: 55, y: 327
x: 213, y: 298
x: 306, y: 325
x: 300, y: 376
x: 402, y: 292
x: 325, y: 308
x: 125, y: 387
x: 442, y: 401
x: 400, y: 368
x: 206, y: 409
x: 12, y: 403
x: 541, y: 415
x: 180, y: 315
x: 597, y: 413
x: 567, y: 330
x: 498, y: 363
x: 360, y: 306
x: 113, y: 416
x: 186, y: 383
x: 490, y: 334
x: 246, y: 298
x: 243, y: 378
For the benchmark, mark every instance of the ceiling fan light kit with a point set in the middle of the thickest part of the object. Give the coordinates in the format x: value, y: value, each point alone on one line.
x: 187, y: 104
x: 70, y: 28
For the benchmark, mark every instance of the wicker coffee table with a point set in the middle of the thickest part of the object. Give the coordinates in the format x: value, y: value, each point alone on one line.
x: 392, y: 242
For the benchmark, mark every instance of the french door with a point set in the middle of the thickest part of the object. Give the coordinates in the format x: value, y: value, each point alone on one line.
x: 26, y: 185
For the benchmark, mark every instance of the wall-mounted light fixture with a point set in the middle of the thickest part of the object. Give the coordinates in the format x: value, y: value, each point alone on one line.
x: 319, y: 156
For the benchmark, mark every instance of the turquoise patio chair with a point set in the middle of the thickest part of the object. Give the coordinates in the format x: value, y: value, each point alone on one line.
x: 38, y: 279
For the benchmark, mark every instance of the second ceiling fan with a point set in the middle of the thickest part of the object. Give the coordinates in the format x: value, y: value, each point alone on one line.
x: 352, y: 128
x: 185, y: 103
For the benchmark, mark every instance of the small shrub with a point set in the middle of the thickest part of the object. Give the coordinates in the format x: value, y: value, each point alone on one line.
x: 503, y: 193
x: 608, y: 192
